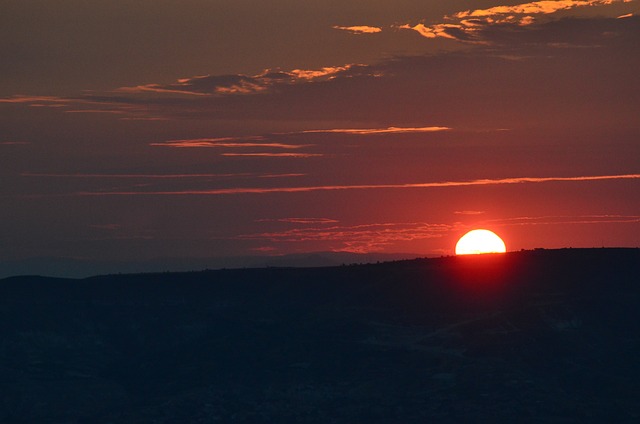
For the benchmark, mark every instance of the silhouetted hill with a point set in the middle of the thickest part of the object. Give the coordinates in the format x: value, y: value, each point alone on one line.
x: 545, y: 336
x: 79, y: 268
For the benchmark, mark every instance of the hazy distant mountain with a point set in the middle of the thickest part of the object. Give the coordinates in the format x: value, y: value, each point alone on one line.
x: 547, y: 336
x: 78, y: 268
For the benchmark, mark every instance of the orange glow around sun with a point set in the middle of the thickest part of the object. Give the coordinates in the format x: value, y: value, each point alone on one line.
x: 480, y: 241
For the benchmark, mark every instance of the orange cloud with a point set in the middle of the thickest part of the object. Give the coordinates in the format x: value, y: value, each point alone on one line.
x: 305, y: 189
x: 536, y: 7
x: 250, y: 141
x: 465, y: 25
x: 240, y: 84
x: 433, y: 31
x: 328, y: 72
x: 468, y: 212
x: 359, y: 29
x: 389, y: 130
x: 229, y: 142
x: 175, y: 100
x: 245, y: 87
x: 157, y: 88
x: 44, y: 100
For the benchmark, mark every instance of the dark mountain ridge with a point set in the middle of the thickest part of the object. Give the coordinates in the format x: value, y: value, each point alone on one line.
x: 82, y: 268
x: 532, y: 336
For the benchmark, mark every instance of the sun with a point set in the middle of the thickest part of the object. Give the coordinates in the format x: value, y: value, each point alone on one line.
x: 480, y: 241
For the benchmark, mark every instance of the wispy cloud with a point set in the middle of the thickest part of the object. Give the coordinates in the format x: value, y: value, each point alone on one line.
x: 301, y: 220
x: 355, y: 238
x: 261, y: 140
x: 157, y: 176
x: 359, y: 29
x: 304, y: 189
x: 199, y: 95
x: 409, y: 92
x: 33, y: 100
x: 235, y: 84
x: 85, y: 104
x: 264, y: 249
x: 435, y: 31
x: 281, y: 175
x: 115, y: 112
x: 162, y: 89
x: 227, y: 142
x: 565, y: 220
x: 275, y: 155
x: 469, y: 212
x: 14, y: 143
x: 369, y: 131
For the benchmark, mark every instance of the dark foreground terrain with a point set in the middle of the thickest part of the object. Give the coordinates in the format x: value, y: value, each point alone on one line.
x: 546, y: 336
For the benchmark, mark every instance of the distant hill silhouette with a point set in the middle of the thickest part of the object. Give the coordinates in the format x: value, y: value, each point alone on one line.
x: 545, y: 336
x: 79, y: 268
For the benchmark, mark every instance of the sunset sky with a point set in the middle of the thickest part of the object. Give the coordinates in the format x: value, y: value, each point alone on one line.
x: 132, y: 130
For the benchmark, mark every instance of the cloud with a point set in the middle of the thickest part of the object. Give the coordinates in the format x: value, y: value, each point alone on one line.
x: 261, y: 140
x: 189, y: 96
x: 264, y: 249
x: 157, y: 176
x: 86, y: 104
x: 359, y: 29
x: 565, y: 220
x: 305, y: 189
x: 356, y: 238
x: 228, y: 142
x: 369, y: 131
x: 281, y: 175
x: 301, y: 220
x: 469, y: 212
x: 401, y: 94
x: 438, y: 30
x: 14, y: 143
x: 33, y: 100
x: 204, y: 142
x: 275, y: 155
x: 115, y: 112
x: 471, y: 25
x: 207, y: 85
x: 532, y: 8
x: 239, y: 84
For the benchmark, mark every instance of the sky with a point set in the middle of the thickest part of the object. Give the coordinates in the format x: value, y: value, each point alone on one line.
x: 133, y: 130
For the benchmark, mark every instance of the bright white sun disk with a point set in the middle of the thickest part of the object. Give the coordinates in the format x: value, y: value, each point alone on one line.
x: 480, y: 241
